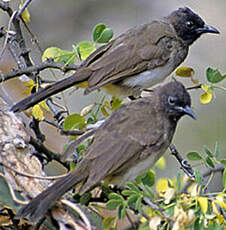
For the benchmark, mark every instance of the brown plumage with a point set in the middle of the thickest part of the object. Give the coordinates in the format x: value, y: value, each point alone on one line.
x: 126, y: 145
x: 137, y: 59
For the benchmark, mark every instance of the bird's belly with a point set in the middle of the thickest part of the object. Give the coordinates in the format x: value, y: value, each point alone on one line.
x: 141, y: 167
x: 149, y: 78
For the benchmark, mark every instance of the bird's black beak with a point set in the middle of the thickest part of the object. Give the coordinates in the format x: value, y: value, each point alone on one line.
x: 186, y: 110
x: 207, y: 29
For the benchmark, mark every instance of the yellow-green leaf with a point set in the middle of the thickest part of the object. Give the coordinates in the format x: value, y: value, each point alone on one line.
x: 185, y: 72
x: 203, y: 202
x: 206, y: 97
x: 205, y: 87
x: 44, y: 106
x: 37, y: 112
x: 161, y: 163
x: 29, y: 85
x: 108, y: 222
x: 25, y: 15
x: 104, y: 111
x: 74, y: 121
x: 59, y: 55
x: 85, y: 49
x: 162, y: 185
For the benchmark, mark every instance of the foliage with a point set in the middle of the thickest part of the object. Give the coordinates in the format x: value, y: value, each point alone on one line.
x: 176, y: 207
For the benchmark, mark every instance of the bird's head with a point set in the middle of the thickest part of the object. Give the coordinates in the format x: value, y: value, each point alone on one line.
x: 175, y: 100
x: 188, y: 25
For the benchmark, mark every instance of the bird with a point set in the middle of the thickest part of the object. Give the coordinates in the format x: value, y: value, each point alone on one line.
x: 124, y: 147
x: 137, y: 59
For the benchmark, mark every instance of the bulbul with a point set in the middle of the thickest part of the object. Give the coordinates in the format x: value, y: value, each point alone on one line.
x: 125, y: 146
x: 137, y: 59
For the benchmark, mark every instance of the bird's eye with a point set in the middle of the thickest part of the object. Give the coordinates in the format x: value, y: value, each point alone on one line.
x: 189, y: 24
x: 171, y: 100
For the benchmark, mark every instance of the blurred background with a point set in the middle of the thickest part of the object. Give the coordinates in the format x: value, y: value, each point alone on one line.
x: 63, y: 23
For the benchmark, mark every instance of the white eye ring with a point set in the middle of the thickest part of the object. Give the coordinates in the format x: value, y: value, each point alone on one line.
x: 189, y: 24
x: 171, y: 100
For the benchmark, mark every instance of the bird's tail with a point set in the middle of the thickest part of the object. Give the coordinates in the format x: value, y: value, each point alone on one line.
x: 41, y: 203
x: 78, y: 77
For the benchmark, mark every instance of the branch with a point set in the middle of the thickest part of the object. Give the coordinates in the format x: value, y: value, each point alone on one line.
x: 218, y: 168
x: 24, y: 6
x: 37, y: 69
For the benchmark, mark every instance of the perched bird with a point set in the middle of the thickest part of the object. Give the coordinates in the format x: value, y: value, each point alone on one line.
x: 125, y: 146
x: 137, y: 59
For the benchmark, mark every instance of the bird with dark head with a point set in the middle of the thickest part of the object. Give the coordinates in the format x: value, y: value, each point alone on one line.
x: 125, y: 146
x: 139, y: 58
x: 189, y: 26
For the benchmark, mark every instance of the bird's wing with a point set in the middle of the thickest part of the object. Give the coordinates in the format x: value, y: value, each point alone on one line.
x: 130, y: 54
x: 121, y: 140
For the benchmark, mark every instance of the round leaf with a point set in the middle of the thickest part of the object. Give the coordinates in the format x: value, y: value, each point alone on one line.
x: 85, y: 49
x: 98, y: 30
x: 149, y: 178
x: 206, y: 97
x: 185, y: 72
x: 214, y: 76
x: 105, y: 36
x: 74, y: 121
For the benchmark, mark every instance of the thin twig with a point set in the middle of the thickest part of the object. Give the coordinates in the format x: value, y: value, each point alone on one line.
x: 32, y: 176
x: 12, y: 192
x: 194, y: 87
x: 218, y: 168
x: 76, y: 208
x: 24, y: 6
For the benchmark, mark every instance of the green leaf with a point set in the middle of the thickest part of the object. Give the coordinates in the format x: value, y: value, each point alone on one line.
x: 217, y: 151
x: 107, y: 222
x: 74, y: 121
x: 98, y: 30
x: 121, y: 211
x: 113, y: 204
x: 210, y: 162
x: 194, y: 156
x: 139, y: 204
x: 207, y: 151
x: 224, y: 179
x: 149, y: 192
x: 132, y: 199
x: 199, y: 224
x: 115, y: 196
x: 149, y: 178
x: 170, y: 210
x: 128, y: 192
x: 59, y: 55
x: 133, y: 187
x: 214, y: 76
x: 102, y: 34
x: 85, y: 48
x: 214, y: 226
x: 223, y: 162
x: 198, y: 177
